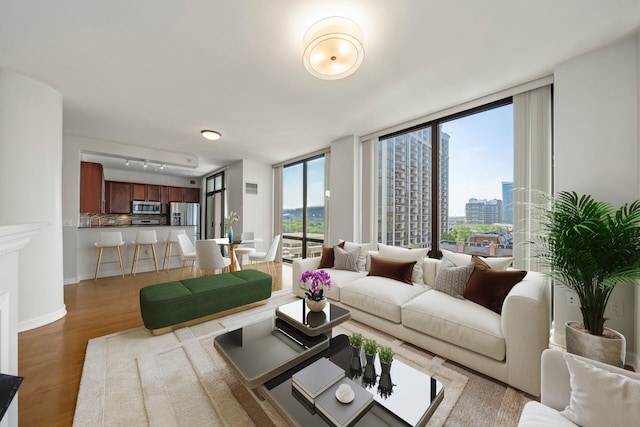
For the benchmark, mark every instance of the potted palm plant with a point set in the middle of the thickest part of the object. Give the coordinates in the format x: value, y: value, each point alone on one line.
x: 590, y: 247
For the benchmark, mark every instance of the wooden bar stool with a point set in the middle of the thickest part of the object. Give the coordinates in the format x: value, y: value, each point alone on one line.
x: 173, y: 238
x: 144, y: 238
x: 109, y: 239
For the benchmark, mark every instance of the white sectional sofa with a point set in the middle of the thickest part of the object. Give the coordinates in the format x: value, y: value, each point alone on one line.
x: 597, y: 395
x: 505, y: 346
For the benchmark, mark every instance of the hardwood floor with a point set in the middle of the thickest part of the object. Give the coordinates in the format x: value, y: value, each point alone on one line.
x: 51, y: 357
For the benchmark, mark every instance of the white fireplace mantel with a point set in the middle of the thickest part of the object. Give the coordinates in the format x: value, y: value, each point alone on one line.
x: 12, y: 239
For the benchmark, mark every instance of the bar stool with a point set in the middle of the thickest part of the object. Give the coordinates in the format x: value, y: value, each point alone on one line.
x: 109, y: 239
x: 173, y: 238
x: 144, y: 238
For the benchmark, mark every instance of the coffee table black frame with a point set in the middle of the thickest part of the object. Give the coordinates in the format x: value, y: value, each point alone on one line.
x: 312, y: 323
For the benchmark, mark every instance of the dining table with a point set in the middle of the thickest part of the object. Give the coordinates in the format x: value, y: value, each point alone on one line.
x: 232, y: 245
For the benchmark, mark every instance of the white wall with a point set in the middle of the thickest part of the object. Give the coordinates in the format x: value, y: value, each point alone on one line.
x: 30, y: 191
x: 257, y: 209
x: 596, y: 150
x: 344, y: 184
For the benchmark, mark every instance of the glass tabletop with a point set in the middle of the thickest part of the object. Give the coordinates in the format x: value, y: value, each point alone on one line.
x: 260, y: 351
x: 404, y: 397
x: 312, y: 323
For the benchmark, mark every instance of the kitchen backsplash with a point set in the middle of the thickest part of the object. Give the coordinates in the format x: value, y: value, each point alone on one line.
x: 114, y: 220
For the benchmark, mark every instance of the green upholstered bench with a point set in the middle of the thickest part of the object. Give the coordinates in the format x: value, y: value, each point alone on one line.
x: 172, y: 305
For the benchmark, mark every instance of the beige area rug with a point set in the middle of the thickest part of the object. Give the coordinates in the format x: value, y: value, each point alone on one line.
x: 132, y: 378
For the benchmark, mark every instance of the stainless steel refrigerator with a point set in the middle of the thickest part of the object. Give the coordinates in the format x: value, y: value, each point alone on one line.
x: 181, y: 214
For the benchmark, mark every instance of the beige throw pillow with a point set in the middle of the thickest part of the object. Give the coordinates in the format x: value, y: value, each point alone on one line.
x: 496, y: 263
x: 345, y: 260
x: 599, y: 397
x: 452, y: 279
x: 363, y: 250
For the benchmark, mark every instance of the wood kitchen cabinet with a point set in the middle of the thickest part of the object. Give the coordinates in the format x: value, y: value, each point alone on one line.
x: 119, y: 196
x: 175, y: 194
x: 92, y: 190
x: 191, y: 195
x: 146, y: 192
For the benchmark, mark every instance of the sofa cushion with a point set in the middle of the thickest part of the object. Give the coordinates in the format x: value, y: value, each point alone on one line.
x: 535, y: 414
x: 396, y: 270
x: 403, y: 254
x: 452, y: 279
x: 497, y: 263
x: 379, y: 296
x: 456, y: 321
x: 345, y: 259
x: 599, y: 397
x: 489, y: 287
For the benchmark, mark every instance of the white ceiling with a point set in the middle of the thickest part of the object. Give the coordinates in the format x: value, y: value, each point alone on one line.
x: 153, y: 73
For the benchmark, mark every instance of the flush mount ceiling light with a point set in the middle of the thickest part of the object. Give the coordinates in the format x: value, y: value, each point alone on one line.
x: 333, y: 48
x: 211, y: 135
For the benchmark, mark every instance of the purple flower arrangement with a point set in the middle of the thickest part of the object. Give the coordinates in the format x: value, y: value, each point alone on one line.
x: 316, y: 282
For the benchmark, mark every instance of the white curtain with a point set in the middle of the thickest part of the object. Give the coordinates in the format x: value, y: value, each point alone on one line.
x: 277, y: 206
x: 533, y: 170
x: 369, y: 230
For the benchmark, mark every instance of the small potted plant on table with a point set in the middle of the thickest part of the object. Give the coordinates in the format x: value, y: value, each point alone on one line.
x: 316, y: 281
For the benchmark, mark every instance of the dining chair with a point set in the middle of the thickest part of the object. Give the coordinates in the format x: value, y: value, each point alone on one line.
x: 187, y: 252
x: 268, y: 256
x: 209, y: 258
x: 245, y: 248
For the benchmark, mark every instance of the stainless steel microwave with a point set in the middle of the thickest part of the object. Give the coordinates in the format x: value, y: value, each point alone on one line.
x: 148, y: 208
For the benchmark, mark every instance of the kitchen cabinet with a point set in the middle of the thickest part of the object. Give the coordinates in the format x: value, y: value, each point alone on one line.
x: 175, y: 194
x: 118, y: 196
x: 191, y: 195
x: 146, y: 192
x: 91, y: 188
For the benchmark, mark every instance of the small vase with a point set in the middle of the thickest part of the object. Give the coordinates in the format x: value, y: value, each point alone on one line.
x: 369, y: 376
x: 355, y: 368
x: 385, y: 386
x: 230, y: 233
x: 316, y: 305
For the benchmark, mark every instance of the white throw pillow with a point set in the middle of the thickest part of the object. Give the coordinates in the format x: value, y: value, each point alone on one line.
x: 496, y: 263
x: 345, y: 259
x: 599, y: 397
x: 403, y: 254
x: 362, y: 254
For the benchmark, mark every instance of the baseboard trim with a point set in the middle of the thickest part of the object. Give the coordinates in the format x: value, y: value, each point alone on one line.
x: 27, y: 325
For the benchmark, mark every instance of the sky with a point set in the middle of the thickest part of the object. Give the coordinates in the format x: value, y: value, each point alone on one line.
x: 480, y: 156
x: 480, y: 159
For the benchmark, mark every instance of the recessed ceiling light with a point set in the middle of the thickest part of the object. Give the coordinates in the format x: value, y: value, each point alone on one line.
x: 211, y: 135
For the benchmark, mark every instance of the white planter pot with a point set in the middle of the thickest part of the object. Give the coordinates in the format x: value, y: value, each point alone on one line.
x: 600, y: 348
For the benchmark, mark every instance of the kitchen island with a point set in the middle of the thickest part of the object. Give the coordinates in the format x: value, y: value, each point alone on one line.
x: 87, y: 252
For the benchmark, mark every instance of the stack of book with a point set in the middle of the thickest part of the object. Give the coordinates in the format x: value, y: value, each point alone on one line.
x: 315, y: 387
x: 312, y: 380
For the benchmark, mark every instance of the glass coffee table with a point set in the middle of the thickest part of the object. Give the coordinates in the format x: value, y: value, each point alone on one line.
x: 312, y: 323
x: 263, y: 350
x: 406, y: 397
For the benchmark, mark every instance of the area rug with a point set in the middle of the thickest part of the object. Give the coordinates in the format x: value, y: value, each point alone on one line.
x: 178, y: 379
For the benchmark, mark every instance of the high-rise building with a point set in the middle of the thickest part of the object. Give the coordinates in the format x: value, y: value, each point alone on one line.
x: 404, y: 190
x: 482, y: 211
x: 507, y: 202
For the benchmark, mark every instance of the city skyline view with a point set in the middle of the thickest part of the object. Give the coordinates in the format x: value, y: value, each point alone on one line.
x: 480, y: 159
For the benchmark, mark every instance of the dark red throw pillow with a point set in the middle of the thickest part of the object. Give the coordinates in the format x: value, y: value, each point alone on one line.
x: 327, y: 260
x: 392, y: 269
x: 489, y: 287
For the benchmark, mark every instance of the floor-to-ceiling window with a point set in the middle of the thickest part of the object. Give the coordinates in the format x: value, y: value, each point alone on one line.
x: 448, y: 184
x: 303, y: 216
x: 215, y: 209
